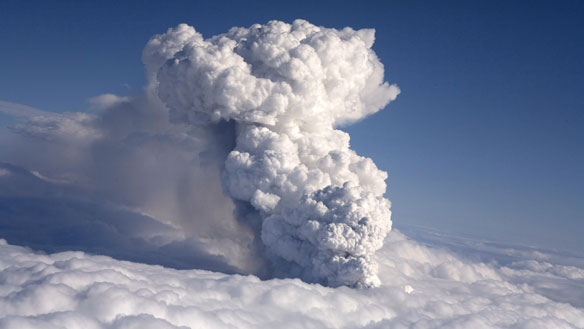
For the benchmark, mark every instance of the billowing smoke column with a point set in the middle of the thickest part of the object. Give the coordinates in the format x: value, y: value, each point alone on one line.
x: 318, y: 205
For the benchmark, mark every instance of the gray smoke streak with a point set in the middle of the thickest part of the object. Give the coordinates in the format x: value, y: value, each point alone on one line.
x: 95, y: 181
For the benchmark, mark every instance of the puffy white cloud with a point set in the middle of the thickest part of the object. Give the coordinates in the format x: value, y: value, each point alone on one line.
x: 286, y: 87
x: 106, y: 101
x: 276, y: 74
x: 421, y: 287
x: 254, y: 114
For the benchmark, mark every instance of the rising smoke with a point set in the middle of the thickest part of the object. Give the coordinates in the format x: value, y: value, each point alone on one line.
x: 317, y: 205
x: 233, y: 147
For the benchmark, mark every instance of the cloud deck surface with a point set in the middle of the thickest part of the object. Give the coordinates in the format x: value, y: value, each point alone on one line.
x: 422, y: 287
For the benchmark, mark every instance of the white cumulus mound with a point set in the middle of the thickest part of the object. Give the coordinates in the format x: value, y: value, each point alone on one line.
x: 319, y: 205
x: 421, y: 288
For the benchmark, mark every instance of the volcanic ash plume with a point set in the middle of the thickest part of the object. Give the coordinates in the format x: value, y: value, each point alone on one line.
x: 318, y: 205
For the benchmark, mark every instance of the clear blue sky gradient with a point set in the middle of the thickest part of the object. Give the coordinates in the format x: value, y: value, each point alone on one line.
x: 487, y: 137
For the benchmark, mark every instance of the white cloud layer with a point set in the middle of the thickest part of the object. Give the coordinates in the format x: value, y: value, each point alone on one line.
x: 422, y: 287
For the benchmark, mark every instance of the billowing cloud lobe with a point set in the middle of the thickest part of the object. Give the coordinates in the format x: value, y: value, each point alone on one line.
x: 319, y: 206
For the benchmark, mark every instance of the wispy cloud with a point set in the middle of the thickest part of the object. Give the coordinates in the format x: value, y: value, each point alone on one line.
x: 23, y: 111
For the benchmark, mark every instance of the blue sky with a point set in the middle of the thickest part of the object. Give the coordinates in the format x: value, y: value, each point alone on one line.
x: 485, y: 139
